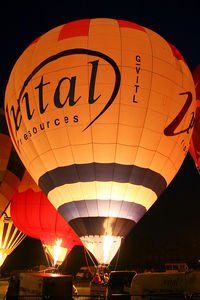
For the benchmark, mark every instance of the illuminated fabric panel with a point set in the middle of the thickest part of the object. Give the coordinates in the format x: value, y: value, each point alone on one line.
x: 53, y: 257
x: 104, y: 116
x: 35, y: 216
x: 10, y: 236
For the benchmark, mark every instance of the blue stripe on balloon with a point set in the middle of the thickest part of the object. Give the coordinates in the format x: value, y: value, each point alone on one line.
x: 101, y: 226
x: 102, y: 172
x: 102, y: 208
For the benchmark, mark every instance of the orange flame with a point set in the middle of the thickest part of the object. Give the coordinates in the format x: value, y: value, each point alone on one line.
x: 57, y: 250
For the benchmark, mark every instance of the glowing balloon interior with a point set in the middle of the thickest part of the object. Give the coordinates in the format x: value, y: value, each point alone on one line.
x: 10, y: 236
x: 100, y: 112
x: 56, y: 253
x: 35, y: 216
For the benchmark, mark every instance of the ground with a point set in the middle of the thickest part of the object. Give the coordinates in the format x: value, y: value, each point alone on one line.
x: 81, y: 285
x: 3, y: 288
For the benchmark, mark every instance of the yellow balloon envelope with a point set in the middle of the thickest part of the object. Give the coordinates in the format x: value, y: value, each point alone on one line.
x: 10, y: 236
x: 100, y: 112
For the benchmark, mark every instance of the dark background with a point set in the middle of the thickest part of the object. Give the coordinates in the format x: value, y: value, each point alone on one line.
x: 170, y: 230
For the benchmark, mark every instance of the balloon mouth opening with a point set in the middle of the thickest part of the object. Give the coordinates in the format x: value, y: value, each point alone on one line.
x: 56, y: 252
x: 2, y: 258
x: 3, y: 254
x: 103, y: 247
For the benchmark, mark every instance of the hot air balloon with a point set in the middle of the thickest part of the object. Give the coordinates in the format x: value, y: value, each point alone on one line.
x: 195, y: 142
x: 11, y: 172
x: 100, y: 112
x: 11, y: 168
x: 10, y: 236
x: 35, y: 216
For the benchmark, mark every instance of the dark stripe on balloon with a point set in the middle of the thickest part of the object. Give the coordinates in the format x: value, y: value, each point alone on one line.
x: 3, y: 124
x: 11, y: 232
x: 16, y: 238
x: 5, y: 229
x: 102, y: 172
x: 101, y: 226
x: 15, y: 165
x: 84, y: 208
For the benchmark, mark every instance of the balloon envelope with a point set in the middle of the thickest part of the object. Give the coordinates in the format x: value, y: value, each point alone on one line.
x: 35, y: 216
x: 10, y: 236
x: 101, y: 118
x: 11, y: 172
x: 195, y: 140
x: 11, y: 168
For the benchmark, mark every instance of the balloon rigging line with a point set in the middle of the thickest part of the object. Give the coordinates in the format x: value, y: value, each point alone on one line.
x: 85, y: 249
x: 47, y: 258
x: 117, y: 258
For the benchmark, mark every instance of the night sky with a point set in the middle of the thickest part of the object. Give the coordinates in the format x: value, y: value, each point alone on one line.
x: 174, y: 218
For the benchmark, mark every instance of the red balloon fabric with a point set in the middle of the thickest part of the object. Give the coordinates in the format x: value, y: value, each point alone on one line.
x: 35, y: 216
x: 195, y: 140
